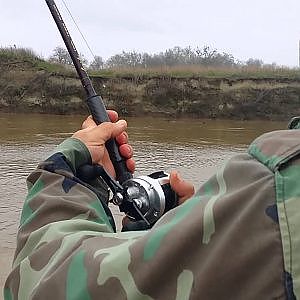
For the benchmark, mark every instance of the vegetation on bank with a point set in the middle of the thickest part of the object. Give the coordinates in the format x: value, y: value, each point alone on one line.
x: 172, y: 63
x: 13, y: 58
x: 198, y: 71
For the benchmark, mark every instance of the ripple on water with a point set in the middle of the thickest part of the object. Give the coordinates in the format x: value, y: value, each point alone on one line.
x: 16, y: 162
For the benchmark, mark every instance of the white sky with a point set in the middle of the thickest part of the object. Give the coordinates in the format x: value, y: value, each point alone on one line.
x: 264, y: 29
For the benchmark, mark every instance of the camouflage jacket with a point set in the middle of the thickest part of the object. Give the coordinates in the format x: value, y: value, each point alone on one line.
x: 237, y: 238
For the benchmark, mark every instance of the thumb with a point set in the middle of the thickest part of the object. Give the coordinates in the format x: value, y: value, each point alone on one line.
x: 183, y: 189
x: 108, y: 130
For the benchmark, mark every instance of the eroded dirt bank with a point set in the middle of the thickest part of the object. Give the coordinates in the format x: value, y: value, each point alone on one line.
x: 244, y: 98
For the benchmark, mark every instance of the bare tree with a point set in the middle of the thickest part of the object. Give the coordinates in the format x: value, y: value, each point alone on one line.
x: 254, y: 62
x: 61, y: 56
x: 97, y: 63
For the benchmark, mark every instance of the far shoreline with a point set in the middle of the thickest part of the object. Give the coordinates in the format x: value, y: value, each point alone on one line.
x: 147, y: 115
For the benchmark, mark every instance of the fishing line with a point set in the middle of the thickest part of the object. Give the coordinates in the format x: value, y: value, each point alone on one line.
x: 82, y: 35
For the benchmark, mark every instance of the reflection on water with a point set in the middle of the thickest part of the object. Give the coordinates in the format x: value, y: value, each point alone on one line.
x: 195, y: 147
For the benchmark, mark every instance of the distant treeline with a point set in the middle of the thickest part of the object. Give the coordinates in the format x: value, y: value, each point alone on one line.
x: 177, y: 56
x: 174, y: 57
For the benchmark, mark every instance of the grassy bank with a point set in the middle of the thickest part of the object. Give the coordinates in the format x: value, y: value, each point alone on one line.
x: 21, y: 59
x: 197, y: 71
x: 18, y: 58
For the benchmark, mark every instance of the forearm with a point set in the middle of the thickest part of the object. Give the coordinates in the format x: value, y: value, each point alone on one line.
x: 56, y: 197
x: 62, y: 223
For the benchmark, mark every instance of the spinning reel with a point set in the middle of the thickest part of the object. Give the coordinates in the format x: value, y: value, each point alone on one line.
x: 144, y: 198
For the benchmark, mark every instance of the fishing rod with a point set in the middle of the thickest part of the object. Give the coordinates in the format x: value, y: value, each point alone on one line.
x: 144, y: 198
x: 94, y: 101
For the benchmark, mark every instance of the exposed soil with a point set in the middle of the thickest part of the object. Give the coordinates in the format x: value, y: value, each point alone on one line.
x: 252, y: 98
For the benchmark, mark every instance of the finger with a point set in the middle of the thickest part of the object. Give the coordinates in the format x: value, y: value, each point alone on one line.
x: 126, y: 151
x: 183, y: 189
x: 88, y: 123
x: 108, y: 130
x: 106, y: 162
x: 122, y: 138
x: 130, y: 163
x: 113, y: 115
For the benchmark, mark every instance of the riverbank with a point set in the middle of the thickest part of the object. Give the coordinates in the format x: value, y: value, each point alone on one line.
x: 200, y: 97
x: 37, y: 86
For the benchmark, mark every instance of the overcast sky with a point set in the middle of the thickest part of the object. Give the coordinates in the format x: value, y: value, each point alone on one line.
x: 264, y: 29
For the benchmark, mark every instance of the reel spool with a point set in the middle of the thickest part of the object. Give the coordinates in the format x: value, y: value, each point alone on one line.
x: 147, y: 197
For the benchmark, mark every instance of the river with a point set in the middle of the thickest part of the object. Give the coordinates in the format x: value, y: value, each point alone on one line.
x: 195, y: 147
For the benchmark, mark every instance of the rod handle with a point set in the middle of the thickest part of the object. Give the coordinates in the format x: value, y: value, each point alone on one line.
x: 99, y: 114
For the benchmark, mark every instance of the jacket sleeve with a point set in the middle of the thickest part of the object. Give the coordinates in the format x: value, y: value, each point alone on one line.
x: 224, y: 243
x: 59, y: 213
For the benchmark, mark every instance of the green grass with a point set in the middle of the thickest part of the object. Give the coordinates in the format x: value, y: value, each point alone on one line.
x: 199, y: 71
x: 25, y: 58
x: 12, y: 53
x: 58, y: 69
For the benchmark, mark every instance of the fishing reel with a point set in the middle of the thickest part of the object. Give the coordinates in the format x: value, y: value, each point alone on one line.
x: 144, y: 198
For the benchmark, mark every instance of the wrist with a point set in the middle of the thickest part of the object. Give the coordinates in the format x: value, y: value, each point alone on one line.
x: 75, y: 152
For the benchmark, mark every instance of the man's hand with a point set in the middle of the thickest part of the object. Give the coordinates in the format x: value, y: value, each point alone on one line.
x: 94, y: 137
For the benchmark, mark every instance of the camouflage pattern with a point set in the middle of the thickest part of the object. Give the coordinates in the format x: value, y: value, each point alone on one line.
x: 236, y: 238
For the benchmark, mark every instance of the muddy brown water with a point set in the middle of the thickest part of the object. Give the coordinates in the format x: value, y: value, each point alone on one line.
x: 195, y: 147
